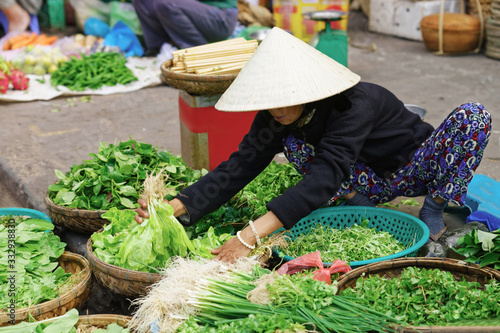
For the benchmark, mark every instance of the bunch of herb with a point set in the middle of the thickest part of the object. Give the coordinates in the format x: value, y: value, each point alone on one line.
x: 428, y: 297
x: 114, y: 176
x: 250, y: 203
x: 38, y: 276
x: 356, y: 243
x: 481, y: 247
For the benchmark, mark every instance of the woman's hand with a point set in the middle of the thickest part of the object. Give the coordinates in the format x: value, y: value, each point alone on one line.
x: 231, y: 250
x: 142, y: 212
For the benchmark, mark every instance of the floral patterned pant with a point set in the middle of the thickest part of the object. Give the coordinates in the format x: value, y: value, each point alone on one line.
x: 443, y: 166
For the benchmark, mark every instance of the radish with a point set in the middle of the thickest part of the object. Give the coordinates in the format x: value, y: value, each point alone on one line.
x: 4, y: 83
x: 19, y: 80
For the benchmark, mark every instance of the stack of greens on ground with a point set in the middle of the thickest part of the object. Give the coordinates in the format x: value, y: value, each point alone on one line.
x: 356, y: 243
x: 37, y: 277
x: 67, y: 323
x: 114, y: 176
x: 480, y: 247
x: 428, y: 297
x: 210, y: 296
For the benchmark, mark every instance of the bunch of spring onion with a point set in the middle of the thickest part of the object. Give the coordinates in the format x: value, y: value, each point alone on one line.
x: 166, y: 304
x: 284, y: 300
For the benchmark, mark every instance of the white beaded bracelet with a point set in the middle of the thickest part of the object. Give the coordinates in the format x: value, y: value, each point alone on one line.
x: 251, y: 247
x: 255, y: 233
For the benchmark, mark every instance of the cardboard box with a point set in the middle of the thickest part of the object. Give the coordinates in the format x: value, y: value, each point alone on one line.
x: 288, y: 16
x: 401, y: 18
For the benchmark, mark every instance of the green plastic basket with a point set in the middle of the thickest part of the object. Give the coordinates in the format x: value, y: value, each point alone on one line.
x: 36, y: 214
x: 404, y: 227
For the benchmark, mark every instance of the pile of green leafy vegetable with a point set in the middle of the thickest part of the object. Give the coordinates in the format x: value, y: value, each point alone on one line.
x: 67, y: 323
x: 146, y: 248
x: 356, y: 243
x: 114, y: 176
x: 250, y: 203
x: 428, y: 297
x: 38, y: 277
x: 281, y: 303
x: 481, y: 247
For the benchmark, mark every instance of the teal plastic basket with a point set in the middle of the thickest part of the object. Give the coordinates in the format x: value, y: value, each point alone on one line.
x: 36, y: 214
x: 404, y: 227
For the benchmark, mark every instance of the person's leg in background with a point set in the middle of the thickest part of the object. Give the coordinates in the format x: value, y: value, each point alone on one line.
x: 18, y: 17
x: 192, y: 23
x: 154, y: 34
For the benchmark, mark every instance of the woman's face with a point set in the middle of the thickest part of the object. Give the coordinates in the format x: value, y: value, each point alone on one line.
x: 287, y: 115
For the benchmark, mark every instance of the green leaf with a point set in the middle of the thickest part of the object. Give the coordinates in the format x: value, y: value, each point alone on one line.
x: 59, y: 174
x: 486, y: 239
x: 129, y: 191
x: 127, y: 202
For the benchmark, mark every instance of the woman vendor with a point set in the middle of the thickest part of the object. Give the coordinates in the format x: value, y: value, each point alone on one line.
x: 348, y: 138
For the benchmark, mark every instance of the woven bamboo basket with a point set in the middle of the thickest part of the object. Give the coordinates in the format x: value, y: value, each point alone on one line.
x: 460, y: 270
x: 79, y: 220
x: 196, y: 84
x: 72, y: 263
x: 120, y: 280
x: 103, y: 320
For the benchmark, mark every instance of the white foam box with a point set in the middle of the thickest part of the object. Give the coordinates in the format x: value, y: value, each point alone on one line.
x: 401, y: 18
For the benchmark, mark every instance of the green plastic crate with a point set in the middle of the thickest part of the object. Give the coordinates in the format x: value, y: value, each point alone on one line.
x: 404, y: 227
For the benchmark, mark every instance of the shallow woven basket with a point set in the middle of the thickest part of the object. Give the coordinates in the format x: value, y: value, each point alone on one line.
x: 120, y: 280
x: 196, y: 84
x: 74, y: 298
x: 393, y: 268
x: 103, y: 320
x: 79, y: 220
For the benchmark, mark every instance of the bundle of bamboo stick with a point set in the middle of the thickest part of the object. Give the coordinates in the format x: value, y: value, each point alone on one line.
x: 226, y: 57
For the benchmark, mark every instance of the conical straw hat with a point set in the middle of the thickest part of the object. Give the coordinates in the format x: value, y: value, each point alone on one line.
x: 285, y: 71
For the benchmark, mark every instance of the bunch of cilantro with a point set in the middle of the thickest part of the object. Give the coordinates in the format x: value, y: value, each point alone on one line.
x: 114, y: 176
x: 37, y: 276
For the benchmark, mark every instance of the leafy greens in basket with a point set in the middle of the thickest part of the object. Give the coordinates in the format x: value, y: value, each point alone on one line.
x: 38, y: 277
x: 114, y: 176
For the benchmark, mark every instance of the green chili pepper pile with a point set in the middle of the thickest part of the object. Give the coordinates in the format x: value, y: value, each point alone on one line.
x: 93, y: 72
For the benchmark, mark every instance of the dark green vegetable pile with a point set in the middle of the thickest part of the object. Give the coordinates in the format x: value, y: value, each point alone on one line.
x: 428, y: 297
x: 249, y: 203
x: 38, y: 276
x: 355, y: 243
x: 481, y: 247
x: 93, y: 72
x: 114, y: 176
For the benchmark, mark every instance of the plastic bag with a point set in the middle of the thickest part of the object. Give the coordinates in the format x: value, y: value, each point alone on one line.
x: 123, y: 37
x: 96, y: 27
x: 125, y: 12
x: 312, y: 260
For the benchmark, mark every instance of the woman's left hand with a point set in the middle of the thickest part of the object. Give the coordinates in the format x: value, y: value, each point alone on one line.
x: 231, y: 250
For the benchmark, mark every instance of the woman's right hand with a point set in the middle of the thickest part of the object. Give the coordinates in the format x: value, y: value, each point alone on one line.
x: 142, y: 212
